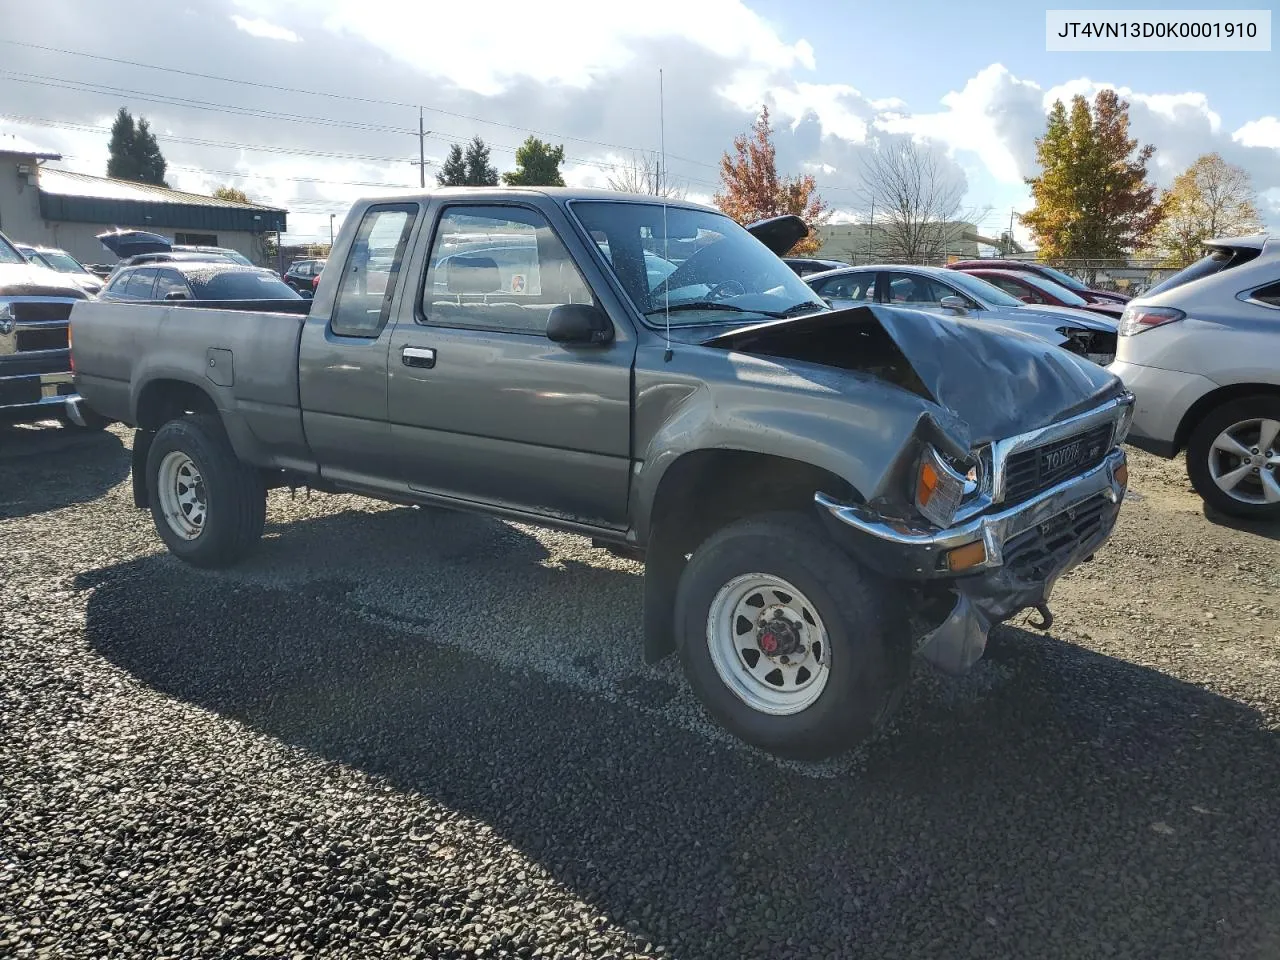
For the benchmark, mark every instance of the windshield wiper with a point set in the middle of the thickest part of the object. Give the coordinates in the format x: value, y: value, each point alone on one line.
x: 791, y: 311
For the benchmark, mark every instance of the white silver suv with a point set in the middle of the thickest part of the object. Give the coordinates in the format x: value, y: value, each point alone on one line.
x: 1201, y: 352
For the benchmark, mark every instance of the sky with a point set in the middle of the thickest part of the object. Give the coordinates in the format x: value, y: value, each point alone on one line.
x: 839, y: 77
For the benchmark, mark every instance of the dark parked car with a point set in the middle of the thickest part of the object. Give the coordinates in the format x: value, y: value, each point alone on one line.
x: 804, y: 266
x: 303, y: 275
x: 1092, y: 294
x: 198, y: 280
x: 1035, y: 289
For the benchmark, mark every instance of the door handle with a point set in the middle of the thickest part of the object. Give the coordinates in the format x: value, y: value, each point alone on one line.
x: 418, y: 357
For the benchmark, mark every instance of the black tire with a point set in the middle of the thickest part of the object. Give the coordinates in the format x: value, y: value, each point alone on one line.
x: 235, y: 496
x: 869, y: 660
x: 1199, y: 446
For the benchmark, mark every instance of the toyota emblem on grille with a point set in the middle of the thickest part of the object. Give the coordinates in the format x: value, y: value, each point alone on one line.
x: 1063, y: 456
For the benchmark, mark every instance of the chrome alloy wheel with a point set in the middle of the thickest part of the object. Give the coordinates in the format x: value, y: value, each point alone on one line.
x: 1244, y: 461
x: 182, y: 495
x: 768, y: 644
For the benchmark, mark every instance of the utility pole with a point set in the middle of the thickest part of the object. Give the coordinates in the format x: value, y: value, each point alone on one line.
x: 422, y: 152
x: 871, y: 230
x: 1009, y: 252
x: 331, y: 233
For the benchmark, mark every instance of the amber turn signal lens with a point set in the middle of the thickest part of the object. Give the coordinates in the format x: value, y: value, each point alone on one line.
x: 928, y: 483
x: 1122, y: 475
x: 966, y: 557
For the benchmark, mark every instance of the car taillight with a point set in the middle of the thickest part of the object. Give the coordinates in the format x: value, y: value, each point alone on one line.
x: 1136, y: 319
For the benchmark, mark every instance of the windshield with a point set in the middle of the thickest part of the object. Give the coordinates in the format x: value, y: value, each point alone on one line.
x: 1068, y: 281
x: 988, y: 293
x: 8, y: 254
x: 704, y: 267
x: 62, y: 262
x: 241, y: 285
x: 1057, y: 290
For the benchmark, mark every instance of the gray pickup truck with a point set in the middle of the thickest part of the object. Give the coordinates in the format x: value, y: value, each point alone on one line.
x: 816, y: 494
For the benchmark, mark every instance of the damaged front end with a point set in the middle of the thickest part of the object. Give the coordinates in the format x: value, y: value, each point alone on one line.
x: 1013, y: 475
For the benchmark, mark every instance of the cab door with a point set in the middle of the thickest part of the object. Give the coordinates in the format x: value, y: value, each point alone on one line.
x: 342, y: 355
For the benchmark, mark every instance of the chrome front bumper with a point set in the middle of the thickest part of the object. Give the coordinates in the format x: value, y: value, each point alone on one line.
x: 993, y: 590
x: 36, y: 392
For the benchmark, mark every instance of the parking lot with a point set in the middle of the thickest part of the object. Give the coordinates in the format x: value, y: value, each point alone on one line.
x: 411, y: 732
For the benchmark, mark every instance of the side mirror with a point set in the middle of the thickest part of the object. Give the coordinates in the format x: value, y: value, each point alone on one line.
x: 579, y: 323
x: 957, y: 304
x: 175, y: 295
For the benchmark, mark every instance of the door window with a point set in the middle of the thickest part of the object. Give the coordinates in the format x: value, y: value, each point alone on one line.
x: 369, y: 277
x: 170, y: 281
x: 140, y: 284
x: 915, y: 290
x: 498, y: 268
x: 852, y: 286
x: 1014, y: 288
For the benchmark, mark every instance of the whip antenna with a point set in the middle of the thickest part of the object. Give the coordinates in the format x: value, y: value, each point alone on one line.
x: 666, y: 242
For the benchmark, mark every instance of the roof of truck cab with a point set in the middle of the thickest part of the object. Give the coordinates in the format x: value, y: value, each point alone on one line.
x: 558, y: 194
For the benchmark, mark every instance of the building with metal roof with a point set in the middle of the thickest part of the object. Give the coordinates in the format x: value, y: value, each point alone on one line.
x: 49, y: 207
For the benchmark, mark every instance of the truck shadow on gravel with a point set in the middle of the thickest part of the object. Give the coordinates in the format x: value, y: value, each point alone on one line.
x: 48, y: 468
x: 1063, y: 804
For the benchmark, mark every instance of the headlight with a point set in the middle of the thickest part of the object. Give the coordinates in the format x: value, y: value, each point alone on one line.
x: 939, y: 489
x: 1123, y: 425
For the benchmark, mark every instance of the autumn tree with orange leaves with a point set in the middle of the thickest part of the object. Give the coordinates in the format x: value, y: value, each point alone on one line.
x: 754, y: 191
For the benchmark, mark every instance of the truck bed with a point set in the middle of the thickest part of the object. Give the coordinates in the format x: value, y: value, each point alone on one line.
x: 243, y: 355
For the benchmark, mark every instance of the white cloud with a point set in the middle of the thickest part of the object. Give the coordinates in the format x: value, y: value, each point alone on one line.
x: 1263, y: 132
x: 264, y: 29
x: 490, y: 53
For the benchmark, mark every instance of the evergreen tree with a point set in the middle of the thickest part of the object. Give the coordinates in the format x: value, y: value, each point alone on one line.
x: 133, y: 153
x: 480, y: 173
x: 453, y: 173
x: 537, y: 165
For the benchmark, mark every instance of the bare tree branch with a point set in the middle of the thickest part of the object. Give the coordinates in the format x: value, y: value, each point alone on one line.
x: 916, y: 205
x: 643, y: 174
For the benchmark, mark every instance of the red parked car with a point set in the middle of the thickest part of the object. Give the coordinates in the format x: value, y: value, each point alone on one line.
x: 1032, y: 288
x: 1049, y: 273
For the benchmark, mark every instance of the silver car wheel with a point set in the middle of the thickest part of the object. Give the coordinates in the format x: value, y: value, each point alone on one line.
x: 1244, y: 461
x: 768, y: 644
x: 182, y: 495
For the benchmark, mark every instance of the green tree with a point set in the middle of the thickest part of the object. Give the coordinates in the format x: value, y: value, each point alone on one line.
x: 453, y: 172
x: 1211, y: 198
x: 537, y: 165
x: 234, y: 194
x: 1092, y: 197
x: 133, y: 153
x: 480, y: 172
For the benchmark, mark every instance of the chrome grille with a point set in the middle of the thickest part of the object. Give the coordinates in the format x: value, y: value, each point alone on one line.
x: 38, y: 311
x: 1037, y: 553
x: 51, y: 336
x: 1029, y: 472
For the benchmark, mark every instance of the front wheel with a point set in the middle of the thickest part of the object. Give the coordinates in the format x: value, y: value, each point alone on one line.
x: 786, y: 640
x: 1233, y: 458
x: 208, y: 507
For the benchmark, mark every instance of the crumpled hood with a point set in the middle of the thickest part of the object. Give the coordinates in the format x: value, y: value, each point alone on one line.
x: 1000, y: 382
x: 29, y: 280
x: 1076, y: 316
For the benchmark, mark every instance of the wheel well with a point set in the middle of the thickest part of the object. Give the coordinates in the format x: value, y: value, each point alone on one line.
x: 706, y: 489
x: 165, y: 400
x: 1216, y: 398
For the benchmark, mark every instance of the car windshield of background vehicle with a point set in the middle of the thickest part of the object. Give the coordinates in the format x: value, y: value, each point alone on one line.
x: 1056, y: 290
x: 1068, y: 281
x: 62, y: 262
x: 982, y: 291
x: 8, y: 254
x: 702, y: 266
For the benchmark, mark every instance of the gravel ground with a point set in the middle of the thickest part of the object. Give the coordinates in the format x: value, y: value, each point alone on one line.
x: 408, y: 732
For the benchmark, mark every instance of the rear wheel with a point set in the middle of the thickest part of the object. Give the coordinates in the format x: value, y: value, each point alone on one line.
x: 785, y: 639
x: 1233, y: 458
x: 209, y: 508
